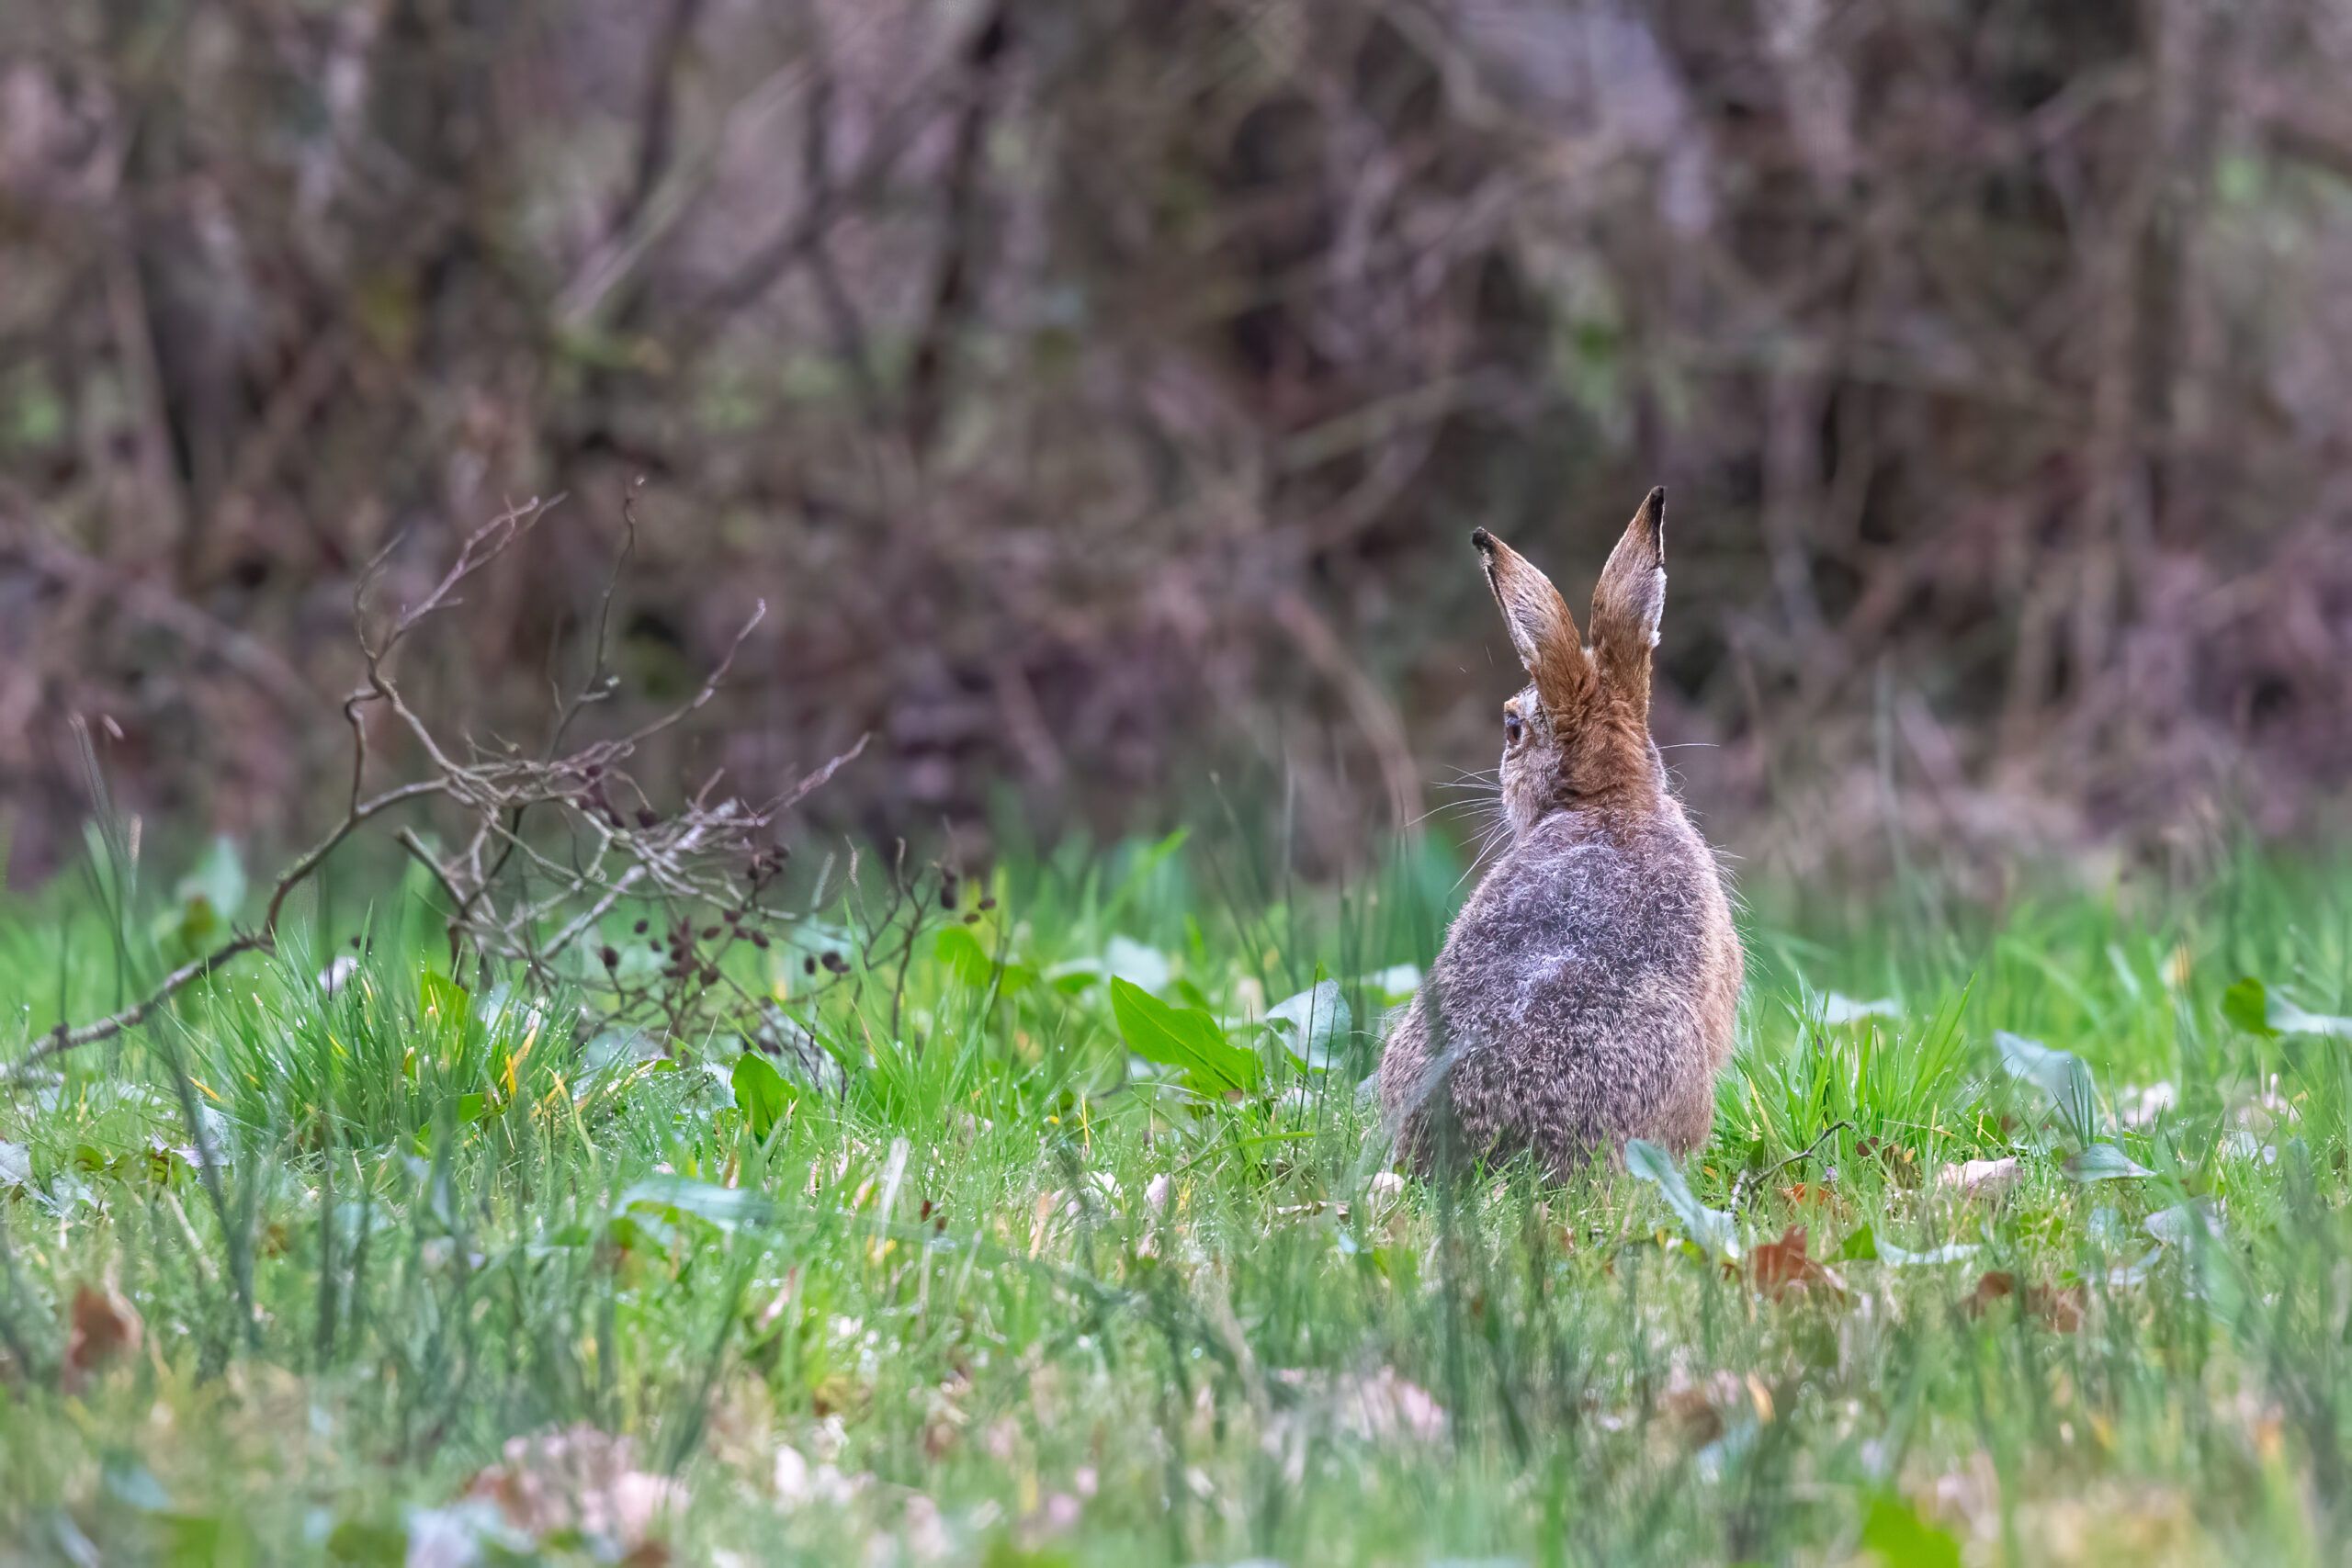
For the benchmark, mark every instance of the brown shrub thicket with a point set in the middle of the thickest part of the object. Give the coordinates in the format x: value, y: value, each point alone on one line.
x: 1099, y: 392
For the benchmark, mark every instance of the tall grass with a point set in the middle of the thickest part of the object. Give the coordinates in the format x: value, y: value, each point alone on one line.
x: 1036, y: 1301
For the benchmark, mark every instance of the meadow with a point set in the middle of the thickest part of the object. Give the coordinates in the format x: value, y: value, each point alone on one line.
x: 1059, y: 1231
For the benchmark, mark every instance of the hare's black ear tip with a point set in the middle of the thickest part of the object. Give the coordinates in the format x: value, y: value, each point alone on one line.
x: 1482, y: 541
x: 1651, y: 519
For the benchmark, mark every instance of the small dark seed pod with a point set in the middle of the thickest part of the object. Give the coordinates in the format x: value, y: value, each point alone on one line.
x: 808, y: 966
x: 612, y: 957
x: 760, y: 941
x: 645, y: 817
x: 640, y: 928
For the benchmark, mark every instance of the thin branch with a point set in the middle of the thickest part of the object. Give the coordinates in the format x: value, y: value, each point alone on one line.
x: 1806, y: 1153
x: 261, y: 939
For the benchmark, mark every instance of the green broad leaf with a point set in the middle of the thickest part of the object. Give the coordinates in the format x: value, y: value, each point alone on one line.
x: 2102, y: 1162
x: 1864, y: 1247
x: 1185, y: 1038
x: 1861, y: 1246
x: 186, y: 930
x: 1894, y: 1532
x: 2250, y: 1006
x: 764, y: 1095
x: 2061, y: 1075
x: 442, y: 998
x: 1312, y: 1024
x: 975, y: 967
x: 1077, y: 975
x: 2247, y: 1005
x: 1714, y: 1231
x: 729, y: 1208
x: 471, y: 1107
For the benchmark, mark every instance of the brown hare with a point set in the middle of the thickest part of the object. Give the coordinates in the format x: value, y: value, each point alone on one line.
x: 1588, y: 991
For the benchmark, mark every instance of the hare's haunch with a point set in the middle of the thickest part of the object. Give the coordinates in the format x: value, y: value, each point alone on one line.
x: 1587, y: 992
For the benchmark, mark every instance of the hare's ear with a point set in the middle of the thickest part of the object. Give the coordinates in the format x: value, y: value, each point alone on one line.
x: 1540, y: 627
x: 1630, y: 599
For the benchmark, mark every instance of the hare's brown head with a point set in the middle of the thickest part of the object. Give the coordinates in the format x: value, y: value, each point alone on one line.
x: 1579, y: 732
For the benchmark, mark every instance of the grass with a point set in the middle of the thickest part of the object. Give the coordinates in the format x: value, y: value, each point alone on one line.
x: 299, y: 1276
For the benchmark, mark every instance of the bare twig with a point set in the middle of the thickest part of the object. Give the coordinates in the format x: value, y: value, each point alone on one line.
x: 1741, y: 1182
x: 261, y: 939
x: 706, y: 865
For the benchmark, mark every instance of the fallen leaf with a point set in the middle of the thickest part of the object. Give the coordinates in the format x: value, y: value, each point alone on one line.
x: 2060, y: 1309
x: 1986, y: 1179
x: 1780, y: 1267
x: 1704, y: 1409
x: 2059, y: 1075
x: 580, y: 1479
x: 2103, y: 1162
x: 2184, y: 1223
x: 1312, y: 1024
x: 102, y: 1326
x: 2141, y: 1108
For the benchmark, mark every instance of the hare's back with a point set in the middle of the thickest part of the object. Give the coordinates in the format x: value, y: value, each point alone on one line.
x: 1573, y: 986
x: 1596, y: 919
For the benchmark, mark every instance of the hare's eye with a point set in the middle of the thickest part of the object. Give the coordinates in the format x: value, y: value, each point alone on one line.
x: 1513, y: 729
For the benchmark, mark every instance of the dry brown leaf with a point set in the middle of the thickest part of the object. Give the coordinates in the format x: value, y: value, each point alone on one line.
x: 2058, y: 1308
x: 1780, y: 1267
x: 1693, y: 1407
x: 103, y: 1325
x: 580, y: 1479
x: 1699, y: 1409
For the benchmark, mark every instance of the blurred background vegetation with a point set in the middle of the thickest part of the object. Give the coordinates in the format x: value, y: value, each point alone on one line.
x: 1099, y: 392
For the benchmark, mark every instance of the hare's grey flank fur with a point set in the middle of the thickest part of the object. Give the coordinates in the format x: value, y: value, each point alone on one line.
x: 1588, y: 991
